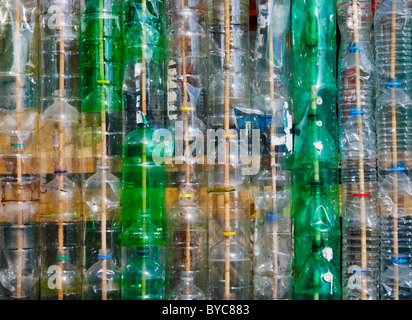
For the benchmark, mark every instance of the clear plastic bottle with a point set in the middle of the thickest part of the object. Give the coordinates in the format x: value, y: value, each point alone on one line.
x: 19, y: 159
x: 61, y: 239
x: 186, y: 289
x: 358, y: 149
x: 395, y: 198
x: 103, y: 270
x: 346, y: 17
x: 93, y: 203
x: 229, y: 90
x: 272, y: 245
x: 391, y: 58
x: 186, y: 58
x: 393, y: 115
x: 360, y: 248
x: 355, y: 83
x: 187, y: 247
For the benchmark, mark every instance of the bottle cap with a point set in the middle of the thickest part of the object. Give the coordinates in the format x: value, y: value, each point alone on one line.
x: 399, y: 168
x: 393, y: 83
x: 355, y: 47
x: 272, y: 217
x: 354, y: 111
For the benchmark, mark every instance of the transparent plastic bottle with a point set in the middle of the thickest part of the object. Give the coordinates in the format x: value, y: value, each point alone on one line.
x: 398, y: 57
x: 360, y: 248
x: 346, y: 17
x: 186, y: 58
x: 187, y: 247
x: 272, y: 248
x: 229, y: 92
x: 61, y: 239
x: 186, y: 289
x: 395, y: 196
x: 358, y: 149
x: 19, y: 158
x: 93, y: 203
x: 349, y: 97
x: 93, y: 278
x: 65, y: 275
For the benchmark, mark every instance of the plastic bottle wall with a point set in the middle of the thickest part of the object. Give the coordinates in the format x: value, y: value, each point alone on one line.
x: 205, y: 150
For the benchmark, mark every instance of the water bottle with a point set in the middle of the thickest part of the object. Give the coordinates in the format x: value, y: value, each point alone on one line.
x: 346, y: 17
x: 392, y: 23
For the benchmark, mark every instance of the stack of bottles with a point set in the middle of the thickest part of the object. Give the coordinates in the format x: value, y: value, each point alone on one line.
x: 186, y: 220
x: 101, y: 144
x: 357, y: 139
x: 272, y: 191
x: 61, y: 197
x: 19, y: 172
x: 143, y: 176
x: 393, y: 120
x: 229, y: 100
x: 315, y: 167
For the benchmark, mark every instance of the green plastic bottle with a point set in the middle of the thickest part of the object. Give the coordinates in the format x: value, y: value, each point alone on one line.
x: 315, y: 159
x: 318, y: 280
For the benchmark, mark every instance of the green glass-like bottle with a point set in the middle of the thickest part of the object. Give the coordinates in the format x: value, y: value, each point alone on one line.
x: 316, y: 161
x: 318, y: 280
x: 143, y: 181
x: 143, y: 215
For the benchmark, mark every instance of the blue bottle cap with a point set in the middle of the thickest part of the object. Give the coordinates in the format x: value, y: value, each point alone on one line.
x: 355, y: 47
x: 393, y: 83
x: 399, y: 168
x: 354, y: 111
x: 272, y: 217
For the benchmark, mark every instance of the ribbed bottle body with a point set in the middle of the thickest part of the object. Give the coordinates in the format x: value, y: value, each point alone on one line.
x: 271, y: 187
x: 19, y: 158
x: 229, y: 100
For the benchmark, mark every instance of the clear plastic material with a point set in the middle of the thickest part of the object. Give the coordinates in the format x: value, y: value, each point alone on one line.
x: 60, y: 137
x: 19, y: 172
x: 360, y: 248
x: 229, y: 101
x: 347, y: 26
x: 186, y: 58
x: 393, y: 112
x: 395, y: 198
x: 104, y: 270
x: 187, y: 247
x: 271, y: 94
x: 186, y: 220
x: 355, y: 84
x: 397, y: 58
x: 61, y: 239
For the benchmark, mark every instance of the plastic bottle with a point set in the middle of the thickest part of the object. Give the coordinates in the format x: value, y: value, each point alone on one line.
x: 395, y: 196
x: 229, y: 96
x: 92, y: 287
x: 354, y: 249
x: 347, y: 26
x: 319, y: 280
x: 19, y: 158
x: 398, y: 57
